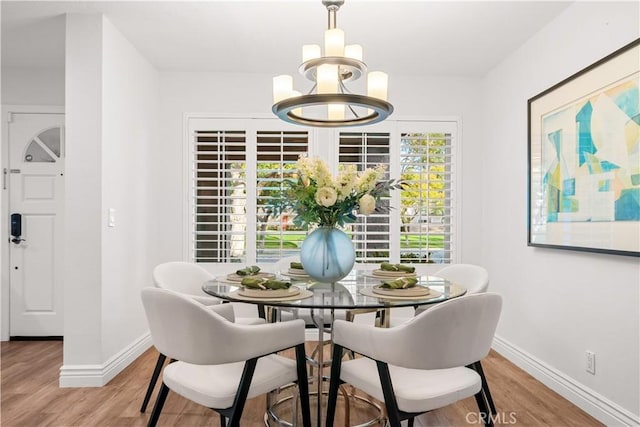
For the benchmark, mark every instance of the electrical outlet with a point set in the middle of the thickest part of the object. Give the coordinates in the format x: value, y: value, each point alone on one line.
x: 590, y: 362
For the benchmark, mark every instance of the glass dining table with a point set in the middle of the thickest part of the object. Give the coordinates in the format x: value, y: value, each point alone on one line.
x: 358, y: 292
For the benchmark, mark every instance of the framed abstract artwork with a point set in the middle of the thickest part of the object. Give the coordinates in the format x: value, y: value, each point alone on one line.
x: 584, y: 159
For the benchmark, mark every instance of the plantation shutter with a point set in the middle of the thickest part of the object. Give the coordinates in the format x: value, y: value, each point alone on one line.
x: 218, y: 204
x: 427, y: 210
x: 370, y: 234
x: 277, y: 153
x: 236, y: 168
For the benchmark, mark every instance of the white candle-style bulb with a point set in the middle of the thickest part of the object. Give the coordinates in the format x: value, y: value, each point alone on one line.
x: 310, y: 51
x: 327, y: 78
x: 334, y: 42
x: 353, y: 51
x: 377, y: 83
x: 335, y: 111
x: 282, y: 87
x: 297, y: 111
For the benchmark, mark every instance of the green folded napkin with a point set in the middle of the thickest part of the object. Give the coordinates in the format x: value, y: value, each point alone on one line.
x: 296, y: 266
x: 400, y: 283
x: 387, y: 266
x: 263, y: 283
x: 249, y: 271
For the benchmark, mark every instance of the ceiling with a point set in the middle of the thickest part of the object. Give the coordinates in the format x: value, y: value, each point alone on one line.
x: 400, y: 37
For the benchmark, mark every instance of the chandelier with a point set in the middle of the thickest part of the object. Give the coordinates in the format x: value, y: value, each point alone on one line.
x: 329, y: 103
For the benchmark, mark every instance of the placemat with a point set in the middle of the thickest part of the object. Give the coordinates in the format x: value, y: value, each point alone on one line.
x: 302, y: 295
x: 415, y: 291
x: 382, y: 274
x: 369, y: 293
x: 295, y: 274
x: 271, y: 293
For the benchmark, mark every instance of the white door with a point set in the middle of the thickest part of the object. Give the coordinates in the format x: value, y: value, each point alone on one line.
x: 36, y: 166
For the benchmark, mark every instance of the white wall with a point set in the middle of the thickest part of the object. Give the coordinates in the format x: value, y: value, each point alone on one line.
x: 130, y: 96
x: 558, y: 304
x: 32, y: 86
x: 111, y: 98
x: 83, y: 184
x: 245, y: 95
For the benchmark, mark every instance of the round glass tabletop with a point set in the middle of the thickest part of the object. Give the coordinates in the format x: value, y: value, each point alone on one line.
x: 358, y: 290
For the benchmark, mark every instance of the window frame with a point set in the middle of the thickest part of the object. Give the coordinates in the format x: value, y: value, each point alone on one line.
x: 322, y: 143
x: 396, y: 128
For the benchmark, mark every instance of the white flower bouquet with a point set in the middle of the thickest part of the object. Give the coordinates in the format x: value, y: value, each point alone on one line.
x: 318, y: 198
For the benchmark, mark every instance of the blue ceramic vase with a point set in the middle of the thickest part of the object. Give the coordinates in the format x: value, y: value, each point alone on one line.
x: 327, y: 254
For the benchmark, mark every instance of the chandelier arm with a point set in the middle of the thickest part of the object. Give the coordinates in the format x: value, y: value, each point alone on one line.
x: 312, y: 88
x: 352, y: 111
x: 343, y: 88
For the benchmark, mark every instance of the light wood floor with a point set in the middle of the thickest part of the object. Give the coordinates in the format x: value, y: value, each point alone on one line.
x: 30, y: 397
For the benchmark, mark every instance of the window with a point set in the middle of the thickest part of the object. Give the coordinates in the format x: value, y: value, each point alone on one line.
x: 237, y: 167
x: 370, y: 234
x: 277, y: 153
x: 231, y: 218
x: 44, y: 148
x: 219, y: 199
x: 425, y: 203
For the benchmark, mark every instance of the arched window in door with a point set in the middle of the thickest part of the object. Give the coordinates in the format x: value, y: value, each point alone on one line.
x: 44, y: 148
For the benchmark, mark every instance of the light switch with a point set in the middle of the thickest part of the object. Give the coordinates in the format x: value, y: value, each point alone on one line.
x: 111, y: 221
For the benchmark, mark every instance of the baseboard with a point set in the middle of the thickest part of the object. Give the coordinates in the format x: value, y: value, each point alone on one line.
x: 596, y: 405
x: 99, y: 375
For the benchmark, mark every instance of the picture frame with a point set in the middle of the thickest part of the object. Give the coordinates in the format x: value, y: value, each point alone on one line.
x: 584, y: 159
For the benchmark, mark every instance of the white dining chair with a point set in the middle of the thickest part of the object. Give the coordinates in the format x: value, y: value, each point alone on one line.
x: 186, y: 278
x: 218, y: 363
x: 473, y: 278
x: 421, y: 365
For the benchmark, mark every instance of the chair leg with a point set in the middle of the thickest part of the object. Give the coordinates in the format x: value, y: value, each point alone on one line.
x: 243, y: 391
x: 303, y: 385
x: 334, y: 384
x: 390, y: 402
x: 410, y: 422
x: 485, y: 388
x: 157, y: 408
x: 482, y: 407
x: 223, y: 420
x: 152, y: 382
